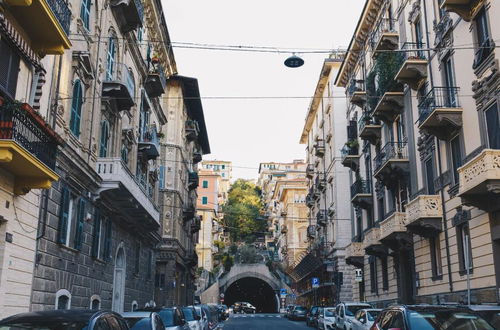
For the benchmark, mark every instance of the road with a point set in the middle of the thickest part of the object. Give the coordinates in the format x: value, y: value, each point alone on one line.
x: 262, y: 322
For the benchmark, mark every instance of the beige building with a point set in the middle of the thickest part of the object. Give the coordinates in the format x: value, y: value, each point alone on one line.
x: 422, y: 81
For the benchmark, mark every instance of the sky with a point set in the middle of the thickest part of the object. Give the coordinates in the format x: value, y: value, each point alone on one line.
x: 250, y: 131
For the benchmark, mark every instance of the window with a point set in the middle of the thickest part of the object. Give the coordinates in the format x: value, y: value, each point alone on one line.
x: 449, y: 81
x: 97, y: 236
x: 205, y: 184
x: 63, y: 299
x: 456, y: 157
x: 124, y: 154
x: 9, y: 68
x: 71, y: 219
x: 380, y: 209
x: 150, y: 264
x: 162, y: 177
x: 223, y: 175
x: 110, y: 58
x: 95, y: 302
x: 135, y: 306
x: 80, y: 217
x: 429, y: 176
x: 104, y: 139
x: 492, y: 125
x: 160, y: 280
x: 76, y: 108
x: 464, y: 247
x: 204, y: 200
x: 436, y: 263
x: 137, y: 258
x: 385, y: 274
x: 223, y: 167
x: 140, y: 32
x: 483, y: 39
x: 373, y: 275
x: 85, y: 13
x: 106, y: 253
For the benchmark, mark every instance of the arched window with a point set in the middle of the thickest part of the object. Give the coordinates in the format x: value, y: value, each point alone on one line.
x: 135, y: 306
x: 76, y: 108
x: 85, y: 13
x: 104, y: 139
x: 95, y: 302
x: 63, y: 299
x: 124, y: 155
x: 110, y: 58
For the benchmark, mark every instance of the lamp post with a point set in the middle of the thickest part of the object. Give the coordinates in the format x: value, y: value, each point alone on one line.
x: 294, y: 61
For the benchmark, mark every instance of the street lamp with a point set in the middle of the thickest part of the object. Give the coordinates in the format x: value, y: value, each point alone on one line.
x: 294, y: 61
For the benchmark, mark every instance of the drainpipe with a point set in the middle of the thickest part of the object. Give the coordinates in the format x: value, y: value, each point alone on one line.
x: 440, y: 169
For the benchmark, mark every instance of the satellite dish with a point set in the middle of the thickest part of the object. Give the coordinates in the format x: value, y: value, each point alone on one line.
x: 294, y: 61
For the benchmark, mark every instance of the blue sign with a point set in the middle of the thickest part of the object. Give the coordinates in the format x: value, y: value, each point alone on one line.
x: 283, y: 292
x: 315, y: 282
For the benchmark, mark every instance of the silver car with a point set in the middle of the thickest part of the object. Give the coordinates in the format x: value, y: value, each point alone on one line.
x: 364, y: 318
x: 173, y: 318
x: 326, y: 318
x: 143, y: 321
x: 204, y: 317
x: 192, y: 318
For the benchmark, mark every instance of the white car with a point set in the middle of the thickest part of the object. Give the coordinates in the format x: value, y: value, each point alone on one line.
x: 203, y: 315
x: 344, y: 314
x: 326, y: 318
x: 364, y: 318
x: 192, y: 318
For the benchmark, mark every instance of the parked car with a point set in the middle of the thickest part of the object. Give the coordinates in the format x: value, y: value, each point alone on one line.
x: 244, y: 307
x: 311, y: 320
x: 299, y: 313
x: 344, y: 314
x: 364, y: 318
x: 192, y: 318
x: 213, y: 315
x: 289, y: 310
x: 65, y: 319
x: 173, y: 318
x: 143, y: 321
x: 490, y: 313
x: 430, y: 317
x: 202, y: 313
x: 223, y: 312
x: 326, y: 318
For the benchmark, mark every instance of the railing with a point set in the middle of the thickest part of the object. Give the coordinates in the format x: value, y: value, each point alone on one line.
x: 361, y: 187
x: 19, y: 122
x: 122, y: 74
x: 348, y: 151
x: 412, y: 51
x: 192, y: 129
x: 356, y: 85
x: 392, y: 150
x: 365, y: 119
x: 319, y: 148
x: 437, y: 97
x: 320, y: 183
x: 321, y: 217
x: 62, y: 12
x: 140, y: 9
x: 384, y: 25
x: 311, y: 231
x: 310, y: 170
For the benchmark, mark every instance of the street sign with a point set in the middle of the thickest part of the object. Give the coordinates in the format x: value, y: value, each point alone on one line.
x: 358, y: 277
x: 222, y: 295
x: 283, y: 293
x: 315, y: 282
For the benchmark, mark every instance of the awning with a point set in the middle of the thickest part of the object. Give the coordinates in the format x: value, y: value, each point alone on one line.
x: 306, y: 266
x: 10, y: 33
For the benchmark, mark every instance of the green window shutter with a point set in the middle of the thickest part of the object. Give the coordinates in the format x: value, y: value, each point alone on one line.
x: 76, y: 109
x: 205, y: 184
x: 107, y: 240
x: 204, y: 200
x: 103, y: 145
x: 63, y: 216
x: 79, y: 224
x: 96, y: 234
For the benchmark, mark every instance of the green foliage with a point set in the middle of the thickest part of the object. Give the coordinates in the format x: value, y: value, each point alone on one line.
x: 247, y: 254
x: 219, y: 244
x: 227, y: 262
x: 381, y: 77
x: 233, y: 249
x: 242, y: 211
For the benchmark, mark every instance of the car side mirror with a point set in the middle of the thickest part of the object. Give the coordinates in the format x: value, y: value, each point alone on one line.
x: 362, y: 320
x: 197, y: 317
x: 183, y: 321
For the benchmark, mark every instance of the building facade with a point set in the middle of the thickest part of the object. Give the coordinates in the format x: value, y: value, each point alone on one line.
x: 426, y: 107
x: 224, y: 169
x: 186, y: 141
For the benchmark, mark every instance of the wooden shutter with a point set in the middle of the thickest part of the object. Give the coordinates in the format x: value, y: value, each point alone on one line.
x: 96, y: 235
x: 76, y: 109
x: 80, y: 216
x: 63, y: 216
x: 162, y: 177
x: 9, y: 68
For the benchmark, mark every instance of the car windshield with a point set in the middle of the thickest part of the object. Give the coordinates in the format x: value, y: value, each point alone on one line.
x: 167, y: 316
x: 352, y: 309
x: 59, y: 326
x: 372, y: 315
x: 188, y: 314
x: 300, y: 309
x: 447, y: 320
x: 139, y: 324
x: 329, y: 312
x: 493, y: 317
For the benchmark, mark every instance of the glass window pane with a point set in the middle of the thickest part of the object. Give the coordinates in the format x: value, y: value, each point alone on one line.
x: 493, y: 126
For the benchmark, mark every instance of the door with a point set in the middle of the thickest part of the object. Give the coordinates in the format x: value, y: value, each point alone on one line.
x: 119, y: 282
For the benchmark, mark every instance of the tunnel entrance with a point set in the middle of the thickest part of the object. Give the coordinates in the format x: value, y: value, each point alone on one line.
x: 255, y: 291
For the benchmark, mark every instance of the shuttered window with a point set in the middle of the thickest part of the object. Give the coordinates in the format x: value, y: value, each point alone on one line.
x: 85, y: 13
x: 76, y: 108
x: 107, y: 241
x: 110, y: 60
x: 104, y: 140
x: 96, y: 234
x: 162, y: 177
x: 64, y: 216
x: 9, y: 69
x: 80, y: 216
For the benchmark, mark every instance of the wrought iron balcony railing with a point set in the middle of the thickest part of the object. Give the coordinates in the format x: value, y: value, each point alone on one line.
x: 356, y: 85
x: 412, y: 51
x: 193, y: 180
x: 119, y: 85
x: 156, y: 81
x: 192, y: 130
x: 149, y: 143
x: 437, y: 97
x: 366, y: 119
x: 385, y: 25
x: 391, y: 151
x: 361, y: 187
x: 62, y: 12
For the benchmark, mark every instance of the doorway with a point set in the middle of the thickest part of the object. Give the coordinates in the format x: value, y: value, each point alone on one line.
x: 119, y: 281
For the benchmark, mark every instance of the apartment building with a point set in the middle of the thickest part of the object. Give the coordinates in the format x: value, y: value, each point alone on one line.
x: 224, y: 169
x: 185, y: 143
x: 328, y: 231
x: 422, y: 85
x: 29, y: 142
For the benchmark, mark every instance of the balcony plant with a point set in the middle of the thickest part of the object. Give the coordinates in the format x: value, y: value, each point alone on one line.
x: 381, y: 78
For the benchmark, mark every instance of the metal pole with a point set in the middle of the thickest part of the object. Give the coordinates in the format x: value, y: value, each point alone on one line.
x: 467, y: 267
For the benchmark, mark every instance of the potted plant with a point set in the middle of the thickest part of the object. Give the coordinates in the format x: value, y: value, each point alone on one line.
x: 155, y: 59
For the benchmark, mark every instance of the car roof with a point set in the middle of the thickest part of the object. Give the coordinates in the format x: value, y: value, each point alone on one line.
x: 142, y: 314
x: 426, y: 307
x: 54, y: 316
x: 484, y: 307
x: 356, y: 303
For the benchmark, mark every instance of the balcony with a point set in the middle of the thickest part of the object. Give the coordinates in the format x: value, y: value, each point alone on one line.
x: 320, y: 183
x: 196, y: 225
x: 355, y: 254
x: 319, y: 148
x: 350, y: 155
x: 311, y: 231
x: 149, y: 143
x: 372, y: 243
x: 284, y: 229
x: 463, y: 8
x: 357, y: 93
x: 361, y: 194
x: 480, y: 181
x: 45, y: 22
x: 321, y: 218
x: 392, y: 163
x: 156, y: 81
x: 122, y: 190
x: 188, y: 212
x: 193, y: 180
x: 309, y: 201
x: 28, y: 147
x: 413, y: 71
x: 119, y: 88
x: 129, y: 14
x: 393, y: 232
x: 369, y: 128
x: 440, y: 113
x: 197, y: 157
x: 192, y: 130
x: 384, y: 36
x: 390, y: 106
x: 315, y: 193
x: 424, y: 215
x: 310, y: 171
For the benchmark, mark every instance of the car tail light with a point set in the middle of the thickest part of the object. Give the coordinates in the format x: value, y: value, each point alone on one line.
x: 374, y: 326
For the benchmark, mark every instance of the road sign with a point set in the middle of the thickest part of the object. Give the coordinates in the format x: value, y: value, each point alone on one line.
x: 315, y: 282
x: 222, y: 295
x: 283, y: 291
x: 359, y: 275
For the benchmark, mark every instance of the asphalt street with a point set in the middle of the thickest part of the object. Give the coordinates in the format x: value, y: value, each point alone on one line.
x: 261, y: 322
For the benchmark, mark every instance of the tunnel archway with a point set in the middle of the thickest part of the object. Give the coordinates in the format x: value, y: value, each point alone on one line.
x: 255, y: 291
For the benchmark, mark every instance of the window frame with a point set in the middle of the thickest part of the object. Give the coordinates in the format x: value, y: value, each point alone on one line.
x: 460, y: 248
x: 77, y: 102
x: 110, y: 58
x: 12, y: 73
x: 62, y: 293
x: 205, y: 184
x: 436, y: 258
x: 85, y: 13
x: 93, y: 298
x: 453, y: 166
x: 489, y: 107
x: 204, y: 200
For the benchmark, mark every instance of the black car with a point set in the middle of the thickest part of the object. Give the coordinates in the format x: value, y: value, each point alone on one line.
x: 429, y: 317
x: 74, y: 319
x: 298, y: 313
x: 223, y: 312
x: 312, y: 317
